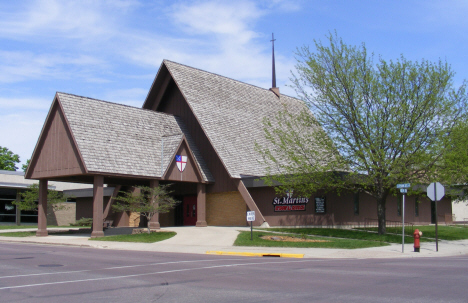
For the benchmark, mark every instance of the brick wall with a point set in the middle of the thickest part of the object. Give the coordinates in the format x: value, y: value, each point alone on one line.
x: 225, y: 209
x: 64, y: 216
x: 134, y: 219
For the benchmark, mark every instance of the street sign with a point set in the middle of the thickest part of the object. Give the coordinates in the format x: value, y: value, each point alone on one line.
x: 250, y: 216
x: 403, y: 189
x: 403, y: 185
x: 435, y: 191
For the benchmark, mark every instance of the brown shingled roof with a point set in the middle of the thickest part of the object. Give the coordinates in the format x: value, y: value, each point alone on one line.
x: 231, y: 114
x: 120, y: 139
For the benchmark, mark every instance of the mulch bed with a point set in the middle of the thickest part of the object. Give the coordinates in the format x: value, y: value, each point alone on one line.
x: 290, y: 239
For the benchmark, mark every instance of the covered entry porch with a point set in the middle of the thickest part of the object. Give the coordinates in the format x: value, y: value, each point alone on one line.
x: 191, y: 211
x: 96, y: 142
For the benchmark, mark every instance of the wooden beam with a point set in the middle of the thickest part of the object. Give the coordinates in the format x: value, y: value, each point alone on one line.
x: 42, y: 209
x: 161, y: 91
x: 259, y: 219
x: 98, y: 194
x: 106, y: 212
x: 201, y: 205
x: 18, y: 211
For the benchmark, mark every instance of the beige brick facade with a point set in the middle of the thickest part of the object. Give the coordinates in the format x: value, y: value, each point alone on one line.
x: 65, y: 215
x: 226, y: 209
x: 134, y: 219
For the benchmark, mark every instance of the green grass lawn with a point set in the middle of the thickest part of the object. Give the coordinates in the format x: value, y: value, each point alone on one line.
x: 35, y: 226
x: 444, y: 232
x: 244, y: 240
x: 19, y: 234
x: 144, y: 237
x: 346, y: 234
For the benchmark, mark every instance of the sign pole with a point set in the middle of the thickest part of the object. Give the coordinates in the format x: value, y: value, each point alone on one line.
x: 435, y: 202
x: 251, y: 231
x: 251, y: 218
x: 403, y: 226
x: 403, y: 189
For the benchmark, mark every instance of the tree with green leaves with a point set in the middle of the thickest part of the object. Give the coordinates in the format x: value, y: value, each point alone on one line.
x: 145, y: 200
x: 24, y: 167
x: 456, y: 157
x: 30, y: 197
x: 8, y: 159
x: 366, y: 125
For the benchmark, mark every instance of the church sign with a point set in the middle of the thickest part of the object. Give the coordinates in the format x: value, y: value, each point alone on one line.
x: 289, y: 203
x: 320, y: 205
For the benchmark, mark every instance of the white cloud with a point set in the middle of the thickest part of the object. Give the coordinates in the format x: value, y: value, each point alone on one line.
x: 217, y: 36
x: 215, y: 17
x: 18, y: 66
x: 82, y: 20
x: 24, y: 104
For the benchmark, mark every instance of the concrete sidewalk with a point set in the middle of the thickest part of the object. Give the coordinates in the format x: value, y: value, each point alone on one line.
x: 199, y: 240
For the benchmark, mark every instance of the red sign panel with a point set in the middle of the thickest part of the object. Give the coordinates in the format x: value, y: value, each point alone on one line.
x: 289, y: 207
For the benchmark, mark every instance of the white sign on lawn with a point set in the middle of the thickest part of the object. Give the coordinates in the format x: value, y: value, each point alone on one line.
x: 250, y: 216
x: 435, y: 191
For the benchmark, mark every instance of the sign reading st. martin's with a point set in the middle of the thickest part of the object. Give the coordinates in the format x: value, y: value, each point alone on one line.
x: 289, y: 203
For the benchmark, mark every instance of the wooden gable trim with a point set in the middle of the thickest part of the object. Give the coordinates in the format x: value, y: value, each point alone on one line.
x: 68, y: 128
x: 192, y: 158
x: 158, y: 88
x: 55, y: 108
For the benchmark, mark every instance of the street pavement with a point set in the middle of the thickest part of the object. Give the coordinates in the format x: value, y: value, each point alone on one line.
x: 200, y: 240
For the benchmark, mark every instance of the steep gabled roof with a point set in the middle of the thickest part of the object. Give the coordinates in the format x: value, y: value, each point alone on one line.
x: 119, y: 139
x: 230, y: 112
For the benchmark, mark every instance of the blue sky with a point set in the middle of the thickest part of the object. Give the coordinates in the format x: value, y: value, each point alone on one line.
x: 111, y: 50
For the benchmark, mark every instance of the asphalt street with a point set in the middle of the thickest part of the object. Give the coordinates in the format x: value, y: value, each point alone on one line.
x: 46, y: 273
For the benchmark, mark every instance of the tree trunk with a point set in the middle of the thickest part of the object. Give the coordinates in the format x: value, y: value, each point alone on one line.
x: 381, y: 215
x: 148, y: 219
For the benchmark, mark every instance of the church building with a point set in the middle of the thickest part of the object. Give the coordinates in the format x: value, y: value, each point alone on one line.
x: 197, y: 131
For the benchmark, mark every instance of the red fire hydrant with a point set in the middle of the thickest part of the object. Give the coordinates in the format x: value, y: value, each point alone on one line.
x: 417, y: 235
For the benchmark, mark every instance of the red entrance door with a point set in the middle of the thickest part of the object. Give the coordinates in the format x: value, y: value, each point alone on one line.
x: 190, y: 210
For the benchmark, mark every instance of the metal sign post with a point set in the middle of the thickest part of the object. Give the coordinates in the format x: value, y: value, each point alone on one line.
x: 403, y: 189
x: 435, y: 192
x: 251, y: 218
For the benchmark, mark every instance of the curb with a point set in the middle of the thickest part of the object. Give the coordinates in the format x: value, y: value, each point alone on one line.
x: 249, y: 254
x: 49, y: 243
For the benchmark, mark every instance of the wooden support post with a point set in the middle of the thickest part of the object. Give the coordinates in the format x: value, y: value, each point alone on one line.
x: 18, y: 211
x: 108, y: 209
x: 98, y: 195
x: 42, y: 209
x: 201, y: 205
x: 154, y: 222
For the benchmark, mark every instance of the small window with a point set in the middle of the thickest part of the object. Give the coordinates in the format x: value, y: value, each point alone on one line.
x: 416, y: 207
x: 356, y: 203
x: 399, y: 206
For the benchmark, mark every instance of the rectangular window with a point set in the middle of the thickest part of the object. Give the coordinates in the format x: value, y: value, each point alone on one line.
x: 356, y: 203
x: 399, y: 205
x: 416, y: 207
